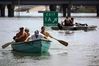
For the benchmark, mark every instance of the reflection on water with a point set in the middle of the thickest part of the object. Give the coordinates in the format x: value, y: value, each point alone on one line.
x: 35, y: 55
x: 11, y: 58
x: 83, y: 48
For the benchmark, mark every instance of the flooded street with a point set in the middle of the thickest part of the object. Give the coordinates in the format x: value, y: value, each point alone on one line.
x: 83, y: 48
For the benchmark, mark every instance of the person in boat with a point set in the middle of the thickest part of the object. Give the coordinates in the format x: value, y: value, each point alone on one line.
x: 63, y: 23
x: 45, y: 33
x: 68, y: 21
x: 71, y: 21
x: 21, y: 36
x: 28, y: 34
x: 27, y: 31
x: 36, y: 36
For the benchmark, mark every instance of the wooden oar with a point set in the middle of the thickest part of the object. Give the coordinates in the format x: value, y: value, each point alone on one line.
x: 62, y: 42
x: 6, y: 45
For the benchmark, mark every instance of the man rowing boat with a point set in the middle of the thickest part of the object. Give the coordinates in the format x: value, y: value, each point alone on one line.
x: 45, y: 33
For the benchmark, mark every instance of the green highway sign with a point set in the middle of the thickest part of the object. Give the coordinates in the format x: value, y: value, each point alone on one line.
x: 50, y: 18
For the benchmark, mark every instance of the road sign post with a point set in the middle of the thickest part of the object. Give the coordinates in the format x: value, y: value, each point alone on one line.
x: 50, y: 18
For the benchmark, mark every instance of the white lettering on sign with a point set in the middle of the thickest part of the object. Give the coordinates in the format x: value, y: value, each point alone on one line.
x: 50, y: 14
x: 49, y: 19
x: 55, y: 19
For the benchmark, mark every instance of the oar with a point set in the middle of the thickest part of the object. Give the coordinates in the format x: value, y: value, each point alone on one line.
x: 62, y: 42
x: 6, y: 45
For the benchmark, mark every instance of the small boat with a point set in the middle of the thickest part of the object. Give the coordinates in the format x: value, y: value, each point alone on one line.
x: 75, y: 28
x: 36, y: 46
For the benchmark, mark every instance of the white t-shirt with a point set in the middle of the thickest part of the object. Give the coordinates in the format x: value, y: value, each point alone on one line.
x: 33, y: 37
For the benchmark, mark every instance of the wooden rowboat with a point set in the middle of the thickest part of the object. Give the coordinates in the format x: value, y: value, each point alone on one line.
x: 37, y: 46
x: 75, y: 28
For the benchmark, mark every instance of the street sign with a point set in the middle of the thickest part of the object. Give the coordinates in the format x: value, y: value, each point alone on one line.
x: 50, y: 18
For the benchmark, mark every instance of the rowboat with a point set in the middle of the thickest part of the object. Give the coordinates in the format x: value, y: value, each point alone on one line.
x: 36, y: 46
x: 75, y: 28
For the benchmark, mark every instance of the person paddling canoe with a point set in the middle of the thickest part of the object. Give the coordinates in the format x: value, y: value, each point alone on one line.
x: 45, y: 33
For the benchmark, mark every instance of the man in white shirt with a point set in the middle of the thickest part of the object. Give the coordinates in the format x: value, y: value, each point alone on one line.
x: 36, y: 36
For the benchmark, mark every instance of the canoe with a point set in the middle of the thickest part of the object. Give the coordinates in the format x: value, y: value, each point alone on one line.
x: 37, y: 46
x: 75, y: 28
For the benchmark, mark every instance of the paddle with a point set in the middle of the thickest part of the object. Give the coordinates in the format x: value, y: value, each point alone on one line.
x: 6, y: 45
x: 62, y: 42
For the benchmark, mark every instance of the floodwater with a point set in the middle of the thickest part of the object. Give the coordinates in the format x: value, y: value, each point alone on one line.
x: 83, y: 48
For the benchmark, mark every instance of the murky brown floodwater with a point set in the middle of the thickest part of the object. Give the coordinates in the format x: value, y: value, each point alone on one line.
x: 83, y: 48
